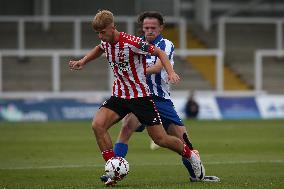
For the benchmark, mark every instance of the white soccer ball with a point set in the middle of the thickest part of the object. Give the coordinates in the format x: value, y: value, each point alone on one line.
x: 117, y: 167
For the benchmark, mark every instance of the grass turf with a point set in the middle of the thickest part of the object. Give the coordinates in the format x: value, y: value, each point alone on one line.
x: 244, y: 154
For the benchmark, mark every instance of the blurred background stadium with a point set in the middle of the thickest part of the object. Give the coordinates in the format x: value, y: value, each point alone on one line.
x: 229, y: 55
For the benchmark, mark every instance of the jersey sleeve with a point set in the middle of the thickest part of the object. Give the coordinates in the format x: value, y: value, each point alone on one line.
x: 169, y: 50
x: 168, y: 47
x: 141, y: 47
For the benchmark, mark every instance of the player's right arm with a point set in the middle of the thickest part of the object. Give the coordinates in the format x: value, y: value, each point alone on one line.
x: 93, y: 54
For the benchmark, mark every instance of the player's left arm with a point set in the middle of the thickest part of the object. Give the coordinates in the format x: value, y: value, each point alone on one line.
x: 156, y: 68
x: 172, y: 76
x: 168, y: 48
x: 145, y: 48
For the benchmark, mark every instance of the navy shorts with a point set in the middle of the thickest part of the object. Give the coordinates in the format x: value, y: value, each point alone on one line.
x: 167, y: 112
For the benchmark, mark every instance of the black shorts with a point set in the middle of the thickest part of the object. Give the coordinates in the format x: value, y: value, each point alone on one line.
x: 143, y: 108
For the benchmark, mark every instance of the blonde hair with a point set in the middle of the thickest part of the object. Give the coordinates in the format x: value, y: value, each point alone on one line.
x: 102, y: 19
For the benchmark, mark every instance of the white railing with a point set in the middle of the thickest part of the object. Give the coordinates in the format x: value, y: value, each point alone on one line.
x: 55, y: 62
x: 55, y: 54
x: 259, y: 54
x: 78, y: 20
x: 219, y: 62
x: 239, y: 20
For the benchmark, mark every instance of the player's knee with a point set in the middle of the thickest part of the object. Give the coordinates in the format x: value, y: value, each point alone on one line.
x: 98, y: 127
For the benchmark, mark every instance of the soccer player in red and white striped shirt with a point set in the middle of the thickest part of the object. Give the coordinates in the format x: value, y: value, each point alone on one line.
x: 126, y: 55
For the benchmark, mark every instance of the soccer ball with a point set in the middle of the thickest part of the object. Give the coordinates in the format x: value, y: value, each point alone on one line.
x: 117, y: 167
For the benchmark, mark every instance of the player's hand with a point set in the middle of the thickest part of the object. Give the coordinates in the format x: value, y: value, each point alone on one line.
x: 75, y: 65
x: 173, y: 78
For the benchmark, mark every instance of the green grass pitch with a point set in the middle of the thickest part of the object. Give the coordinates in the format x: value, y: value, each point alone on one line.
x: 244, y: 154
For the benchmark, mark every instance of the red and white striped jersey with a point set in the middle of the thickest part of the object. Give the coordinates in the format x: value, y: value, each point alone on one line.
x: 127, y: 58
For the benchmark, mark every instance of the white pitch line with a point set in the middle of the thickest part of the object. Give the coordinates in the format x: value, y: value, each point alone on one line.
x: 141, y: 164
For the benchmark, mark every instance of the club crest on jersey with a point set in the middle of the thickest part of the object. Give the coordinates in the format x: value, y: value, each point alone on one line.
x: 144, y: 46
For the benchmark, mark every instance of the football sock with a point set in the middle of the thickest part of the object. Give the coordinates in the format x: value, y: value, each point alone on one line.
x: 120, y: 149
x: 107, y: 154
x: 187, y: 165
x: 186, y: 151
x: 187, y: 141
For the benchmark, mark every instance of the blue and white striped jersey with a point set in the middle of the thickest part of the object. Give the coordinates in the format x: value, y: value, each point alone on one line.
x: 158, y: 82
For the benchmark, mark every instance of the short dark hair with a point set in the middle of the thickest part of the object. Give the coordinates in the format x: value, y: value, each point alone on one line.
x: 150, y: 14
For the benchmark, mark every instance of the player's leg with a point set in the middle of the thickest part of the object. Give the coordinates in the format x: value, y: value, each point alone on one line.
x: 171, y: 129
x: 119, y: 150
x: 147, y: 113
x: 129, y: 124
x: 159, y: 136
x: 170, y: 119
x: 180, y: 132
x: 103, y: 120
x: 173, y: 125
x: 108, y: 114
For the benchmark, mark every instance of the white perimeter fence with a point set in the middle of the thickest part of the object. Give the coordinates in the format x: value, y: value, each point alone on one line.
x: 56, y: 54
x: 130, y: 25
